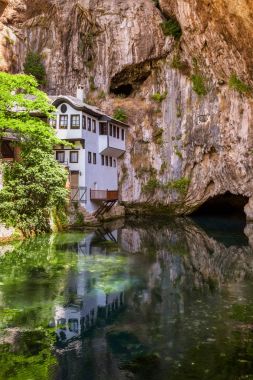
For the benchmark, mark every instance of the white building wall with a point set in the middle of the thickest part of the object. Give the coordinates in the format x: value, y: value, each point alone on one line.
x: 94, y: 176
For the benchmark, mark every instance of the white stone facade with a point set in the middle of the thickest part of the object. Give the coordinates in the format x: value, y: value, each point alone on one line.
x: 97, y: 143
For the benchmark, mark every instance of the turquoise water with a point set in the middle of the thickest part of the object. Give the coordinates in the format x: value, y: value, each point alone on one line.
x: 133, y: 300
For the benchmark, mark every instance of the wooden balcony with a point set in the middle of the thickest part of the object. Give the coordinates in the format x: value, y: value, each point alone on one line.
x: 104, y: 195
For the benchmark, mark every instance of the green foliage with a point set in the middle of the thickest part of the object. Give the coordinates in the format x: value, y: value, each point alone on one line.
x: 242, y: 313
x: 36, y: 184
x: 34, y: 66
x: 171, y: 27
x: 158, y: 136
x: 120, y: 114
x: 181, y: 185
x: 176, y: 62
x: 158, y: 97
x: 151, y: 185
x: 92, y: 84
x: 199, y: 85
x: 236, y: 84
x: 101, y: 95
x: 32, y: 187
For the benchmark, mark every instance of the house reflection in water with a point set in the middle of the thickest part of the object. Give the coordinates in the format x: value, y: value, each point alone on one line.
x: 87, y: 307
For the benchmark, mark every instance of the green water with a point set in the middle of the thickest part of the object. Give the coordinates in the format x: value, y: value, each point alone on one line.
x: 135, y: 300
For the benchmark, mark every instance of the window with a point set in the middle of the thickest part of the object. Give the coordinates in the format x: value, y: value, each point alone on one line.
x: 89, y: 157
x: 84, y: 122
x: 117, y: 132
x: 75, y: 122
x: 89, y: 124
x: 73, y: 157
x: 103, y: 129
x: 94, y: 158
x: 52, y: 123
x: 111, y: 161
x: 63, y: 121
x: 110, y: 129
x: 114, y: 131
x: 94, y: 128
x: 122, y: 134
x: 102, y: 160
x: 64, y: 108
x: 106, y: 160
x: 60, y: 156
x: 114, y: 163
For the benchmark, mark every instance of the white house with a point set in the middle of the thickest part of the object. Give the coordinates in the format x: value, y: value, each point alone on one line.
x: 92, y: 160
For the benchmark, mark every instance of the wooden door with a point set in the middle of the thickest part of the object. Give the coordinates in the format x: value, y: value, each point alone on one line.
x: 74, y: 185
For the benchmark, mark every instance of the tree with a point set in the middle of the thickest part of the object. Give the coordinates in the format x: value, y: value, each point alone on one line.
x: 34, y: 66
x: 36, y: 184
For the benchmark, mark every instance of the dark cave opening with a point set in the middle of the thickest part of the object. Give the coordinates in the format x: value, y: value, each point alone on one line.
x: 124, y: 90
x: 226, y: 204
x: 222, y: 217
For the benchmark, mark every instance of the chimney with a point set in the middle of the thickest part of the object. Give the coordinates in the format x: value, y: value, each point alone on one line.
x: 80, y: 93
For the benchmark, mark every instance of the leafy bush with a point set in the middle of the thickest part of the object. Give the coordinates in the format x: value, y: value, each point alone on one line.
x: 34, y: 66
x: 158, y: 136
x: 171, y: 27
x: 181, y: 185
x: 120, y: 114
x: 158, y: 97
x: 32, y: 188
x: 199, y: 85
x: 236, y: 84
x: 151, y: 185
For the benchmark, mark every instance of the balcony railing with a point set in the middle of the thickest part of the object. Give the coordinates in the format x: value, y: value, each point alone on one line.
x: 104, y: 195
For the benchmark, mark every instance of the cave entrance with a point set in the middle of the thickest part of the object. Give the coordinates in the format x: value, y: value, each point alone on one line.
x: 227, y: 205
x: 123, y: 90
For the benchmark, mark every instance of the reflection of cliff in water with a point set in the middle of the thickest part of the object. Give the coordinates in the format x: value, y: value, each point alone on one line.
x: 190, y: 256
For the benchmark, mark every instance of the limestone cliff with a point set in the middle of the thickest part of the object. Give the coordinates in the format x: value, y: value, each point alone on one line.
x: 183, y: 147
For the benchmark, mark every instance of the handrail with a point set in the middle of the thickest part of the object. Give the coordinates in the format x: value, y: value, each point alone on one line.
x: 104, y: 195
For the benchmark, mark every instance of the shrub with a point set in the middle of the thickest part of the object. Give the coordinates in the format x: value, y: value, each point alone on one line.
x: 158, y: 97
x: 151, y: 185
x: 236, y: 84
x: 199, y: 85
x: 120, y: 114
x: 172, y: 27
x: 158, y: 136
x: 34, y: 66
x: 181, y: 185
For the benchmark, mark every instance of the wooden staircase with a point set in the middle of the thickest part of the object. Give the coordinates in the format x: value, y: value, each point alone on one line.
x: 104, y: 208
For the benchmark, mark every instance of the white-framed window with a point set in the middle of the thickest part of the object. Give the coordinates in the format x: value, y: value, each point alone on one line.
x: 102, y: 160
x: 60, y: 156
x: 52, y: 123
x: 114, y: 131
x: 63, y: 121
x: 89, y: 124
x: 122, y: 134
x: 75, y: 122
x: 106, y: 160
x: 110, y: 158
x: 94, y: 126
x: 111, y: 129
x: 89, y: 157
x: 73, y: 156
x: 117, y: 132
x: 84, y: 122
x: 94, y: 158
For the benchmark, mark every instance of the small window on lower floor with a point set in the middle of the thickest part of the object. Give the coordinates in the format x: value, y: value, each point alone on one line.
x: 60, y: 156
x: 102, y: 160
x: 89, y: 157
x: 94, y: 158
x: 111, y: 161
x: 73, y: 157
x: 106, y: 160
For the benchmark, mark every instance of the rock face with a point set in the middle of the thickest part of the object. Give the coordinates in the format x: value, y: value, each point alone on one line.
x: 184, y: 148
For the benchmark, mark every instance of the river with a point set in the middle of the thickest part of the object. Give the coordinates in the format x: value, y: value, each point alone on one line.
x: 158, y: 300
